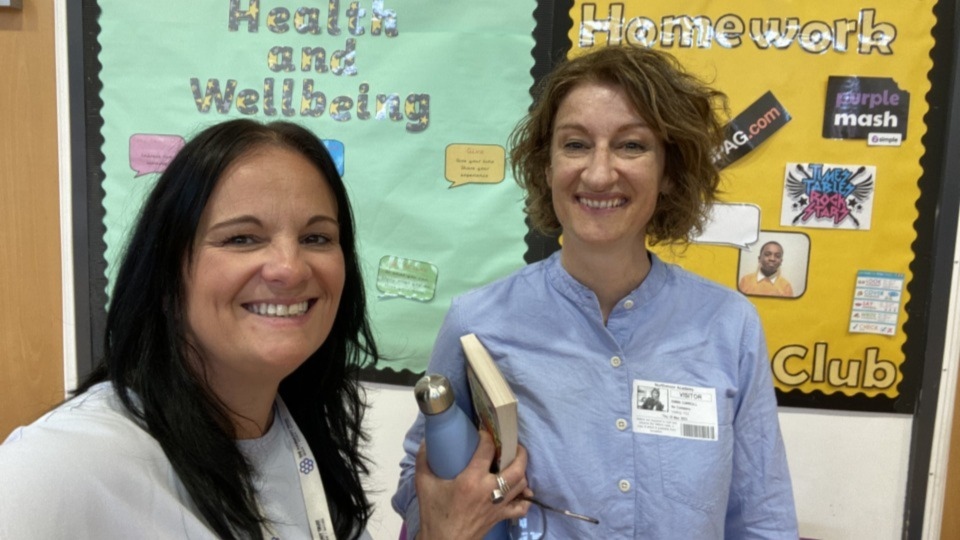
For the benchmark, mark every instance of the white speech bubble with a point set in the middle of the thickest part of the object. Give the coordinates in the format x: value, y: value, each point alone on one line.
x: 731, y: 224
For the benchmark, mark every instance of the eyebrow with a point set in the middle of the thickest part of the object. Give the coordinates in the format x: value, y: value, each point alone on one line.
x: 641, y: 124
x: 253, y: 220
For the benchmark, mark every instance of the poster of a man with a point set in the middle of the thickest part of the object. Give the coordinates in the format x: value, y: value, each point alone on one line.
x: 767, y: 281
x: 775, y: 266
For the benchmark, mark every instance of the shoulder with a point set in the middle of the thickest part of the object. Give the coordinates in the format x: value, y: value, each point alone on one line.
x: 79, y: 462
x: 90, y: 464
x: 88, y: 435
x: 99, y: 410
x: 526, y: 281
x: 708, y: 294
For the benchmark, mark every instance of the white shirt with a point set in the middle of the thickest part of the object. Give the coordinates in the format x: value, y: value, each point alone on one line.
x: 88, y: 470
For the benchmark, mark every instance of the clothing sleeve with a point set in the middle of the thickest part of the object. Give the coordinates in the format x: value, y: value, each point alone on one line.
x: 404, y: 501
x: 446, y: 359
x: 87, y: 470
x: 761, y: 501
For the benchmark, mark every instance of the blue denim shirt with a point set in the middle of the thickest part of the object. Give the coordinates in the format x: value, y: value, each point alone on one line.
x: 575, y: 380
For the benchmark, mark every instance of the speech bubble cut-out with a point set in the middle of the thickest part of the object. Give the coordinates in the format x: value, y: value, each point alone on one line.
x: 733, y: 224
x: 475, y: 164
x: 398, y: 277
x: 336, y: 150
x: 151, y: 153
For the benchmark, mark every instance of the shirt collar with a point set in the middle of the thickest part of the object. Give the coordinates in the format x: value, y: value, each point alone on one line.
x: 771, y: 279
x: 577, y: 292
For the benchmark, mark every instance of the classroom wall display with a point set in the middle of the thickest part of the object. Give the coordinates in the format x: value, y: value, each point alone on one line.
x: 414, y: 99
x: 823, y: 150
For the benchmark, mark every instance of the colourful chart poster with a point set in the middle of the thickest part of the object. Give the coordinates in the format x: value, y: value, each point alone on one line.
x: 821, y: 163
x: 415, y: 100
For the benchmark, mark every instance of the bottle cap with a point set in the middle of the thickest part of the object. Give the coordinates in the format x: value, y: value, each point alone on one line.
x: 434, y: 394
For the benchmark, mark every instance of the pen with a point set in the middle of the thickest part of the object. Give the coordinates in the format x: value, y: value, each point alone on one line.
x: 545, y: 506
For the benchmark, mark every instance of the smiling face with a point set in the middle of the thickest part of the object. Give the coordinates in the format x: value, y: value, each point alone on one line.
x: 771, y: 257
x: 267, y: 270
x: 606, y: 170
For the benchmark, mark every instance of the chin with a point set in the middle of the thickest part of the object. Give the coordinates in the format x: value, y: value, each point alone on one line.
x: 288, y: 360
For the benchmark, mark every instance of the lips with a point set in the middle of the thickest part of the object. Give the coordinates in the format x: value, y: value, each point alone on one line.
x: 265, y: 309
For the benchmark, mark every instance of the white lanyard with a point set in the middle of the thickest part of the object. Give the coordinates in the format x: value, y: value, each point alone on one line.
x: 318, y: 514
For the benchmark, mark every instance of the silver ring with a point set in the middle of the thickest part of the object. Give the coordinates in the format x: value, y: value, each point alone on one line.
x: 504, y: 486
x: 496, y: 496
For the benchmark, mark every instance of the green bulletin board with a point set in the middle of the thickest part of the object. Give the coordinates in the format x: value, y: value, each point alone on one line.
x: 414, y: 99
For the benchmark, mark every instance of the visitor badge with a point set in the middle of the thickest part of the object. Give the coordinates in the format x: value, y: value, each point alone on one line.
x: 674, y: 410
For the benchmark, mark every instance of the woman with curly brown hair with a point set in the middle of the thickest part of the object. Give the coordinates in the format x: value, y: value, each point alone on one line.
x: 617, y: 153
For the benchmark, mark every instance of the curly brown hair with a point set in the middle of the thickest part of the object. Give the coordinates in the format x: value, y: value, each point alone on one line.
x: 683, y: 111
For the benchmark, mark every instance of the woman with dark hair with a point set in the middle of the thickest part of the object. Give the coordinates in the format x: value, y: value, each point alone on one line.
x: 228, y: 401
x: 617, y: 154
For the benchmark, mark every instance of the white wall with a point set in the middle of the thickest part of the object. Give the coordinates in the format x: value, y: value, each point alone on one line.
x: 393, y: 411
x: 849, y: 472
x: 849, y: 469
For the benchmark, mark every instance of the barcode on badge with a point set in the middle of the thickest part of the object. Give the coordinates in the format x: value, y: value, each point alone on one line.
x: 695, y: 431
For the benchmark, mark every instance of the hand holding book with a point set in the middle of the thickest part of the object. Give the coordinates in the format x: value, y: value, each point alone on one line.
x: 495, y: 406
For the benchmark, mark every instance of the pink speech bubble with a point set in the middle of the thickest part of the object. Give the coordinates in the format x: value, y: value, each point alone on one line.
x: 152, y: 153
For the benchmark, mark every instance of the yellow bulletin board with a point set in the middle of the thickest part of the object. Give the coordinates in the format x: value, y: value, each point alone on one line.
x: 823, y: 156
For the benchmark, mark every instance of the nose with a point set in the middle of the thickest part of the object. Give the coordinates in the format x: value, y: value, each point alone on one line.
x: 285, y: 265
x: 599, y: 173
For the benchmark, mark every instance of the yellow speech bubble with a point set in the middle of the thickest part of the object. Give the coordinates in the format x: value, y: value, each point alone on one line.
x: 475, y: 164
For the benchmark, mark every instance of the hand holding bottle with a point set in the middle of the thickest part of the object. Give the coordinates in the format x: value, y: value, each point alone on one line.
x: 462, y: 507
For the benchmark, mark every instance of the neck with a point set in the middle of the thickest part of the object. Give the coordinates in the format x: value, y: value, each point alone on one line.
x: 249, y: 408
x: 611, y: 275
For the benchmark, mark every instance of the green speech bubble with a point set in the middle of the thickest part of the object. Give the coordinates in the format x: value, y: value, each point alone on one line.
x: 406, y: 278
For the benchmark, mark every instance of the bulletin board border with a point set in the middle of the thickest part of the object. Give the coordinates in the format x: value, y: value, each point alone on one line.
x: 935, y: 253
x: 86, y: 140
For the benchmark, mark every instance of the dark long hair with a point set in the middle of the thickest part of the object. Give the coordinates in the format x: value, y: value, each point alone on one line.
x: 146, y: 350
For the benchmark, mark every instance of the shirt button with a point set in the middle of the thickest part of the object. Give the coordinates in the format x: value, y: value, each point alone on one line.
x: 621, y: 424
x: 615, y: 361
x: 624, y: 485
x: 628, y: 304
